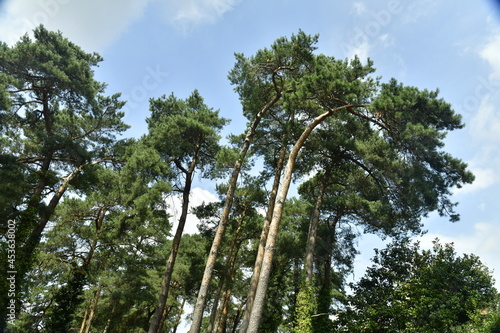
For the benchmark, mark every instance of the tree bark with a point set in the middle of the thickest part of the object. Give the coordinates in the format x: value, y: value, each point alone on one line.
x: 94, y: 308
x: 263, y: 237
x: 34, y: 237
x: 155, y: 324
x: 221, y: 318
x: 263, y: 283
x: 221, y: 228
x: 215, y: 306
x: 313, y: 230
x: 84, y: 320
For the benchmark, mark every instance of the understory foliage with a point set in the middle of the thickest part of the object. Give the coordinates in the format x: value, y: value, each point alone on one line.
x: 413, y: 290
x: 96, y: 248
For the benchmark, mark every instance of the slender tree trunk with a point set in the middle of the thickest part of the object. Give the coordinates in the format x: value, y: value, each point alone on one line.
x: 220, y: 322
x: 313, y: 230
x: 165, y: 284
x: 215, y: 306
x: 34, y: 237
x: 94, y: 308
x: 263, y: 237
x: 110, y: 319
x: 221, y: 228
x: 237, y: 317
x: 164, y: 316
x: 36, y: 234
x: 260, y: 295
x: 179, y: 316
x: 84, y: 320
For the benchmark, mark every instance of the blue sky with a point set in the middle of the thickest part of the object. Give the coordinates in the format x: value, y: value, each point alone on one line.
x: 155, y: 47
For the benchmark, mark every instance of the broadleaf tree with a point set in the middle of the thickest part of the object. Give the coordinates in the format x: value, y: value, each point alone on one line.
x: 413, y: 290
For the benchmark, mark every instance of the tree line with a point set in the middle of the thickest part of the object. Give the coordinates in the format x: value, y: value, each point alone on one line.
x: 95, y: 249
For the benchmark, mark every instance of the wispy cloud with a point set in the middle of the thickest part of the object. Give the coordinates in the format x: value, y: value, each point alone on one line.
x: 484, y: 121
x: 490, y: 52
x: 359, y: 7
x: 361, y: 50
x: 485, y: 178
x: 188, y: 14
x: 92, y: 24
x: 420, y: 8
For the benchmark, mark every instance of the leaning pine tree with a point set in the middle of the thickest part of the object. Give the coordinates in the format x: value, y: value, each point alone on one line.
x: 261, y: 81
x: 410, y: 126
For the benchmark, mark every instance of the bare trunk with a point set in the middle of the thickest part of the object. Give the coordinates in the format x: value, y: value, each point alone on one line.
x: 110, y: 319
x: 164, y: 316
x: 313, y: 230
x: 263, y: 237
x: 215, y: 305
x: 179, y: 316
x: 36, y: 234
x: 84, y: 320
x: 155, y: 324
x: 237, y: 317
x: 28, y: 221
x: 260, y: 295
x: 221, y: 228
x: 34, y: 238
x: 220, y: 322
x: 94, y: 308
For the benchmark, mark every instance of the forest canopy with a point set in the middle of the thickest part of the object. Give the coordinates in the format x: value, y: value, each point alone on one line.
x: 91, y: 246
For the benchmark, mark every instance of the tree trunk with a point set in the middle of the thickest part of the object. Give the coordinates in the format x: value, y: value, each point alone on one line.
x: 94, y: 308
x: 220, y: 322
x: 263, y: 237
x: 154, y: 326
x: 260, y: 295
x: 221, y: 228
x: 237, y: 317
x: 35, y: 235
x: 164, y: 316
x: 313, y: 230
x: 110, y: 319
x: 84, y: 320
x: 215, y: 306
x: 179, y: 316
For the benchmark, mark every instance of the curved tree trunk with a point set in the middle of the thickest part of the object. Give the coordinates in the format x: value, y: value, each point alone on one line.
x: 263, y: 238
x: 258, y: 307
x: 221, y: 228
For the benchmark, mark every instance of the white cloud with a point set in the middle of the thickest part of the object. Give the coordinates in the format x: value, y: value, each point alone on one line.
x: 361, y: 50
x: 91, y: 24
x: 198, y: 196
x: 95, y: 24
x: 420, y: 8
x: 359, y: 8
x: 485, y: 178
x: 187, y: 14
x: 490, y: 52
x: 484, y: 123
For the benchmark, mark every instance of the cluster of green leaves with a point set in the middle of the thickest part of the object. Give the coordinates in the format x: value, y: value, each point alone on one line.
x: 413, y: 290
